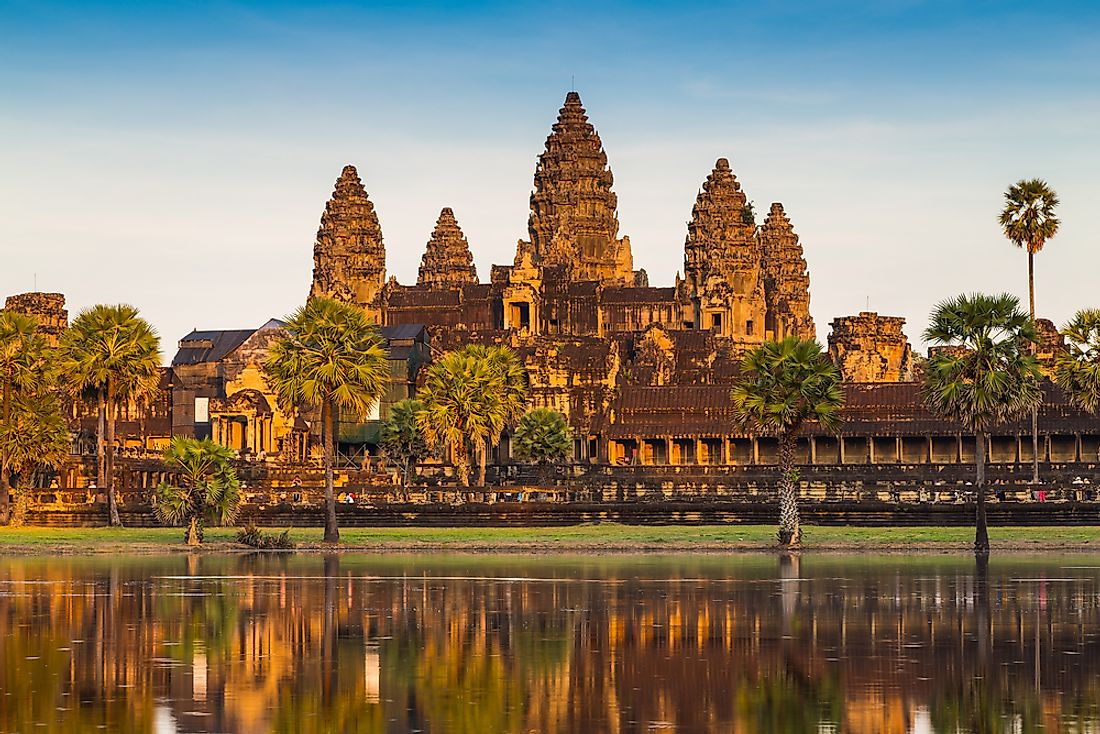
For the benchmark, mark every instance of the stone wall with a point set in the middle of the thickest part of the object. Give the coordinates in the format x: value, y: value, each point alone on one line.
x: 871, y: 348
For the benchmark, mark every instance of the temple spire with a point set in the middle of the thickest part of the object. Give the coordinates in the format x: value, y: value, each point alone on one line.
x: 573, y: 220
x: 722, y: 260
x: 349, y: 259
x: 786, y: 277
x: 447, y: 261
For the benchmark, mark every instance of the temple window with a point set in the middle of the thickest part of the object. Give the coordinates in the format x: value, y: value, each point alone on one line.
x: 748, y: 327
x: 716, y: 321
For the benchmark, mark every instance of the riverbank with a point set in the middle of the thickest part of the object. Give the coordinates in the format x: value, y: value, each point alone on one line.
x: 593, y: 538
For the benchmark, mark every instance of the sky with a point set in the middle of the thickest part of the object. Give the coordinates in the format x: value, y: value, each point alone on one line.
x: 178, y: 156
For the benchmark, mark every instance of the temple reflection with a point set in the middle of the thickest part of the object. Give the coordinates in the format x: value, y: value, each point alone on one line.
x: 374, y: 644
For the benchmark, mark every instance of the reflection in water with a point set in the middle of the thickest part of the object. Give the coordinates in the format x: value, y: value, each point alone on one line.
x: 479, y: 644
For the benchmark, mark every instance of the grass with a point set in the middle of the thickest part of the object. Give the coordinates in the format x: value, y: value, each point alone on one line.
x: 577, y: 538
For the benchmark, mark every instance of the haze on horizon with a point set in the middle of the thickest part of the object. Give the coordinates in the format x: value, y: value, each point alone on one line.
x: 180, y: 158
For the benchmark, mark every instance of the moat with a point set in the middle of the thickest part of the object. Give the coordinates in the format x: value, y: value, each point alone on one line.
x: 464, y: 643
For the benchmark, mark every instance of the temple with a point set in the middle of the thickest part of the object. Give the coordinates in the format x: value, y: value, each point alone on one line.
x: 642, y: 371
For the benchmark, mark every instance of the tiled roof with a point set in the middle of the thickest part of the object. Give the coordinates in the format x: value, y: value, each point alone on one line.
x: 209, y: 346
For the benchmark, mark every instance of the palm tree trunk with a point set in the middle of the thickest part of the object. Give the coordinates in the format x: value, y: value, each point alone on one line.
x: 112, y: 500
x: 1035, y: 410
x: 332, y: 531
x: 101, y: 439
x: 790, y: 529
x: 5, y: 482
x: 193, y: 532
x: 405, y: 480
x: 460, y: 457
x: 981, y: 529
x: 484, y: 459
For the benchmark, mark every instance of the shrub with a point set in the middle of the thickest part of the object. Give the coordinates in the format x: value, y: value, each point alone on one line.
x: 253, y: 537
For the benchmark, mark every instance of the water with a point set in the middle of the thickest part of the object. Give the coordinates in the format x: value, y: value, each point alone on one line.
x: 486, y: 644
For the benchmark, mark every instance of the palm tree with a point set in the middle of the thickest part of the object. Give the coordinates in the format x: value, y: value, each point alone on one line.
x: 507, y: 395
x: 785, y: 385
x: 994, y: 376
x: 542, y: 437
x: 1029, y: 220
x: 469, y: 397
x: 1077, y: 369
x: 115, y: 354
x: 402, y: 438
x: 332, y: 358
x: 454, y: 395
x: 32, y: 428
x: 206, y: 488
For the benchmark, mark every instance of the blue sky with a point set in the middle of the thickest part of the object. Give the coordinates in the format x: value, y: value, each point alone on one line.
x: 178, y: 155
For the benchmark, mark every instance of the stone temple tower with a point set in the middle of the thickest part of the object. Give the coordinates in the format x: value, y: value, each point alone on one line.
x: 723, y: 263
x: 573, y: 220
x: 349, y: 259
x: 786, y: 278
x: 447, y: 261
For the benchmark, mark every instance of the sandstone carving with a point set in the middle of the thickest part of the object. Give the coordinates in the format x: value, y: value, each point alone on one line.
x: 349, y: 259
x: 48, y: 309
x: 447, y: 261
x: 786, y: 278
x: 871, y: 348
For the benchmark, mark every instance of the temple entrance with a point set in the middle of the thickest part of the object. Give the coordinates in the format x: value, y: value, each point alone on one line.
x: 519, y: 315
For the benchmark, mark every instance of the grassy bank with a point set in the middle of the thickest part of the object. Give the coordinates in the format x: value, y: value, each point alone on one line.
x: 580, y: 538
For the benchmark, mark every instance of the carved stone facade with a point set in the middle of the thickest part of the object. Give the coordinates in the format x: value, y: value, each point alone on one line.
x: 574, y: 213
x: 349, y: 259
x: 723, y: 261
x: 786, y: 278
x: 871, y: 348
x: 447, y: 262
x: 48, y: 309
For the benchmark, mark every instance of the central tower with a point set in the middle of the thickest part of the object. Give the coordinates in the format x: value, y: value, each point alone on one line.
x: 573, y: 220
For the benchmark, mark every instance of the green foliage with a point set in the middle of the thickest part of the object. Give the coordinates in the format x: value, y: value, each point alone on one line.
x: 1077, y: 369
x: 37, y: 435
x: 206, y: 489
x: 114, y: 354
x: 992, y: 376
x: 786, y: 383
x: 332, y: 358
x: 402, y: 438
x: 542, y: 437
x: 1028, y: 219
x: 331, y: 353
x: 33, y: 431
x: 783, y: 385
x: 253, y: 537
x: 469, y: 397
x: 111, y: 349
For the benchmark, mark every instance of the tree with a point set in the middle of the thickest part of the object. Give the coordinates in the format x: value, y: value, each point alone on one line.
x: 469, y: 397
x: 32, y: 427
x: 1077, y: 369
x: 1029, y: 220
x: 989, y: 378
x: 454, y: 395
x: 402, y: 438
x: 783, y: 386
x: 506, y: 397
x: 542, y: 437
x: 332, y: 359
x: 206, y: 488
x: 115, y: 354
